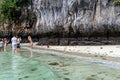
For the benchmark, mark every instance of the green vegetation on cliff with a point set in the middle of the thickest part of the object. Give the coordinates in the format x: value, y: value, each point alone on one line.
x: 117, y: 2
x: 13, y: 13
x: 11, y: 9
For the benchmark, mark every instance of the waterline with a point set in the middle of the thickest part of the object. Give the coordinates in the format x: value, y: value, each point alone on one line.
x: 96, y: 61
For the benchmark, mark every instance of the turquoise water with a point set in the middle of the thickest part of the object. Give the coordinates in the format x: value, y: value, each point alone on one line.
x: 70, y: 67
x: 38, y: 64
x: 14, y: 67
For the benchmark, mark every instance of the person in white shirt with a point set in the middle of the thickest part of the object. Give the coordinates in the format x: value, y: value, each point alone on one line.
x: 14, y: 44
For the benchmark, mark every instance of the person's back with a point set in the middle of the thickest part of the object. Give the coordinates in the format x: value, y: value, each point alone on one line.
x: 18, y: 40
x: 14, y: 43
x: 14, y: 40
x: 18, y: 44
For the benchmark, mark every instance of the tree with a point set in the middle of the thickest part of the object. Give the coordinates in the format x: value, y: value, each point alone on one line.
x: 117, y: 2
x: 11, y: 9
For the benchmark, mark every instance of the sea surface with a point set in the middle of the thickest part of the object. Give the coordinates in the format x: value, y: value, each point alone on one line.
x: 38, y: 64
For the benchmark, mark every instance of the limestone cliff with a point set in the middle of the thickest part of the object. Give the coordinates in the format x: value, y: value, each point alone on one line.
x: 83, y: 16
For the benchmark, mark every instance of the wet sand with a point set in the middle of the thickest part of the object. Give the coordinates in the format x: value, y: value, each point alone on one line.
x: 105, y: 52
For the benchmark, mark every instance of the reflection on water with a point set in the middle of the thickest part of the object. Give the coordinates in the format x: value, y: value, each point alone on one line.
x: 66, y: 67
x: 13, y: 67
x: 70, y: 67
x: 31, y: 53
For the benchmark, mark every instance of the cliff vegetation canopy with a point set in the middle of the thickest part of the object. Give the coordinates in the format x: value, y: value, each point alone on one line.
x: 11, y: 9
x: 117, y: 2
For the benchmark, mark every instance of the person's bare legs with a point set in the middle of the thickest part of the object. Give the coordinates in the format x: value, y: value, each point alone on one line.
x: 14, y: 50
x: 31, y: 53
x: 18, y: 51
x: 4, y: 48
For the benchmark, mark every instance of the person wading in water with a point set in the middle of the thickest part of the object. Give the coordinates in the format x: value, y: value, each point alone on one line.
x: 14, y: 44
x: 31, y: 42
x: 18, y: 44
x: 30, y: 45
x: 1, y: 45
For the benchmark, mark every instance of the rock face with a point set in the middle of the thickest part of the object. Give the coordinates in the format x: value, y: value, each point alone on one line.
x: 83, y: 16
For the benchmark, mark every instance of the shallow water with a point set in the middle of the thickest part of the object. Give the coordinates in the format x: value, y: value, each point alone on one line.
x: 70, y: 67
x: 14, y: 67
x: 54, y: 65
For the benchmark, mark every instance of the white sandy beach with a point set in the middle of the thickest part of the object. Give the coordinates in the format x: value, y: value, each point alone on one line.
x: 103, y: 50
x: 107, y: 50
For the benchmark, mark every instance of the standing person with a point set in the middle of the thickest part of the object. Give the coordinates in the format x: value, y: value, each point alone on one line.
x: 30, y: 40
x: 14, y: 44
x: 1, y: 45
x: 5, y: 41
x: 18, y: 44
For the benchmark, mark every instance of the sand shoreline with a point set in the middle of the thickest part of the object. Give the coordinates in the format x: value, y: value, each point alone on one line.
x: 105, y: 52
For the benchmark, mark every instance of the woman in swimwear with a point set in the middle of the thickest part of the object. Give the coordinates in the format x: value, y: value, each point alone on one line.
x: 30, y: 40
